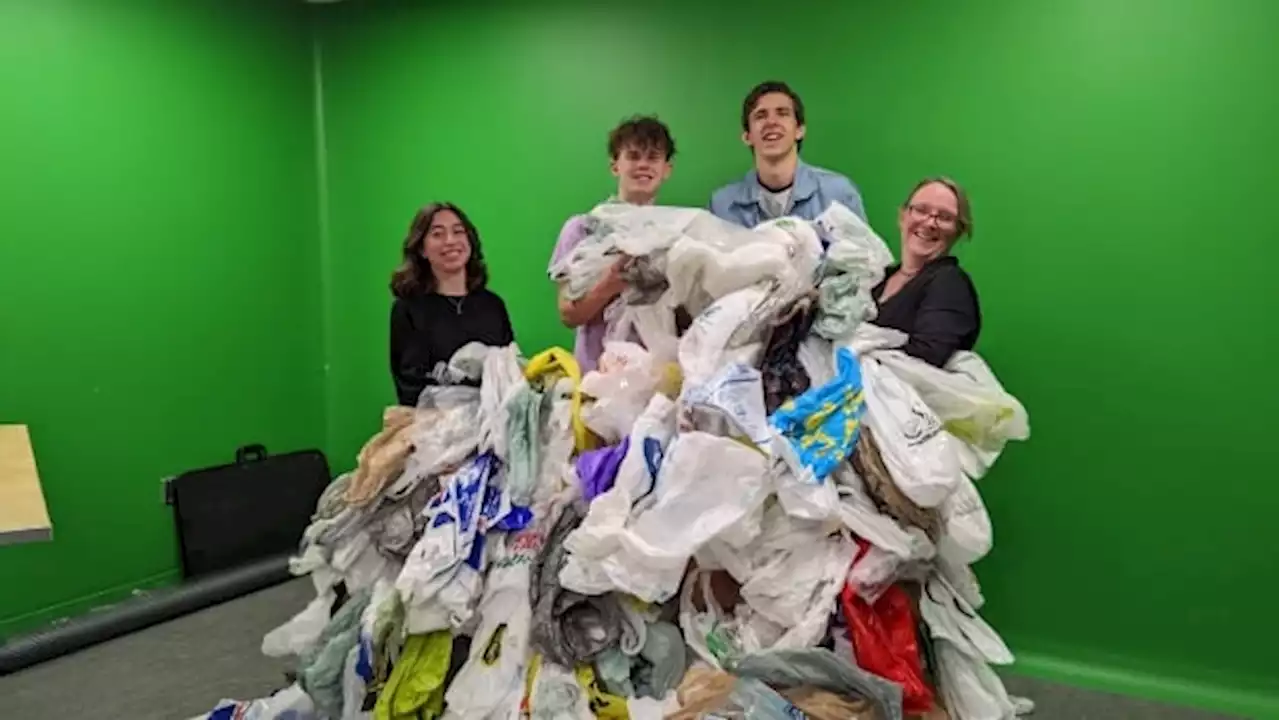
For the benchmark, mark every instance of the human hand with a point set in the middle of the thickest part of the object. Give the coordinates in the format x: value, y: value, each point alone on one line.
x: 613, y: 282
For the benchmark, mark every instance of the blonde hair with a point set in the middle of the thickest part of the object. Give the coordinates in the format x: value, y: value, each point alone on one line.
x: 964, y: 216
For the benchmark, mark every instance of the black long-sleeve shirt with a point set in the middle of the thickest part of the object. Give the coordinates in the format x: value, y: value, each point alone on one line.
x: 427, y: 329
x: 938, y: 309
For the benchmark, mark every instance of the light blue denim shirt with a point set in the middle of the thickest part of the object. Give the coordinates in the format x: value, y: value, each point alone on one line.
x: 813, y: 190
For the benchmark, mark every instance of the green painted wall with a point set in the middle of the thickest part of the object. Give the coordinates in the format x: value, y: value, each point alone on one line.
x: 1120, y: 157
x: 159, y: 275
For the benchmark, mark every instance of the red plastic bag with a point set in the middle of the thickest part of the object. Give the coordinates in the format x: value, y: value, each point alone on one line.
x: 885, y: 642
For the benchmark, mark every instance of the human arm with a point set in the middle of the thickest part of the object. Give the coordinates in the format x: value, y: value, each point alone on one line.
x: 408, y: 376
x: 947, y: 320
x: 591, y: 306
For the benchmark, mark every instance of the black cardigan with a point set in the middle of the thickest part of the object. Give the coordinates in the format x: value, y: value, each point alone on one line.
x: 937, y: 308
x: 427, y: 329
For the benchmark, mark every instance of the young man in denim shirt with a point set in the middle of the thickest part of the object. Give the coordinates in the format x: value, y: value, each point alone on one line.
x: 781, y: 184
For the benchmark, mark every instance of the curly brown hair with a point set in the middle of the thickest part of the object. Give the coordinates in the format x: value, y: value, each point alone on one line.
x: 414, y: 275
x: 644, y: 132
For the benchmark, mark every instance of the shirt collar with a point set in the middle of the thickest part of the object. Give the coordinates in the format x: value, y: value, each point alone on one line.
x: 802, y: 188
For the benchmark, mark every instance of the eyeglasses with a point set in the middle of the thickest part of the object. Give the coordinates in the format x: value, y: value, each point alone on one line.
x: 923, y: 212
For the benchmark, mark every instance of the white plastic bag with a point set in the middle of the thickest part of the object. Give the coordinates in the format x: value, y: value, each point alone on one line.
x: 500, y: 647
x: 706, y: 484
x: 621, y: 385
x: 970, y: 689
x: 966, y: 531
x: 501, y: 374
x: 966, y: 396
x: 704, y: 348
x: 951, y: 619
x: 785, y: 588
x: 292, y: 703
x: 353, y: 690
x: 817, y: 357
x: 598, y: 535
x: 858, y: 512
x: 917, y: 453
x: 735, y: 392
x: 653, y: 324
x: 300, y: 633
x: 801, y: 493
x: 715, y: 258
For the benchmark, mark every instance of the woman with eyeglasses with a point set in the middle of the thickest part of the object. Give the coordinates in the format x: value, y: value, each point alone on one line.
x: 928, y: 296
x: 441, y: 299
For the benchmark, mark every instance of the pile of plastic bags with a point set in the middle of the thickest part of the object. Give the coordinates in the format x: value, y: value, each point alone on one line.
x: 770, y: 515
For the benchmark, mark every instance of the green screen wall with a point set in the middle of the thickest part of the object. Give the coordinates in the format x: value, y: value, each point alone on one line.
x: 195, y: 258
x: 159, y: 274
x: 1120, y: 156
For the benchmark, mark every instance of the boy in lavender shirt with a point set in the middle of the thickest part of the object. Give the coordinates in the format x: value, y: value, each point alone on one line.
x: 640, y: 152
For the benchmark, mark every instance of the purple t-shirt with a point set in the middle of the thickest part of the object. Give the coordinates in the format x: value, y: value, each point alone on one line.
x: 589, y: 342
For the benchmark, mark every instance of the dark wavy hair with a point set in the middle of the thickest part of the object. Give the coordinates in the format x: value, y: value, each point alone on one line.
x: 414, y: 275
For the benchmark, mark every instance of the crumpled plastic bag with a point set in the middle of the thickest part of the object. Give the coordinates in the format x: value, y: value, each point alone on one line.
x: 501, y: 376
x: 971, y: 689
x: 706, y: 484
x: 292, y: 703
x: 920, y: 457
x: 568, y: 627
x: 859, y: 513
x: 705, y: 346
x: 444, y: 570
x: 734, y: 394
x: 952, y: 619
x: 966, y: 396
x: 818, y: 431
x: 415, y: 690
x: 885, y: 643
x: 784, y: 588
x: 822, y: 669
x: 966, y: 533
x: 597, y: 469
x: 598, y: 536
x: 302, y: 631
x: 621, y: 385
x: 444, y: 434
x: 556, y: 694
x: 500, y: 647
x: 653, y: 324
x: 523, y: 414
x: 855, y: 262
x: 717, y: 258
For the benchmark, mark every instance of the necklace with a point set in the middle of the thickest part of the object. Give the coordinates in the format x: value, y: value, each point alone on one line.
x: 456, y: 302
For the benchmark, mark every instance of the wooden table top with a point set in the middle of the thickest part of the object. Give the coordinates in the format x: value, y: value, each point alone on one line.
x: 23, y: 515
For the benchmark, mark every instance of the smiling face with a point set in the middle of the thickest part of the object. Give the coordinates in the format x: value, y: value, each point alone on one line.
x: 773, y: 129
x: 446, y: 245
x: 929, y: 222
x: 640, y: 172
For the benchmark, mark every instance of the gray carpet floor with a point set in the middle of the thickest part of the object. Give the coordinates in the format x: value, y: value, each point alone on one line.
x: 182, y: 668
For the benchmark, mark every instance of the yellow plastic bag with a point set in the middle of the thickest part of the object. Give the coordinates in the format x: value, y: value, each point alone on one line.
x: 558, y: 361
x: 604, y: 705
x: 415, y: 690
